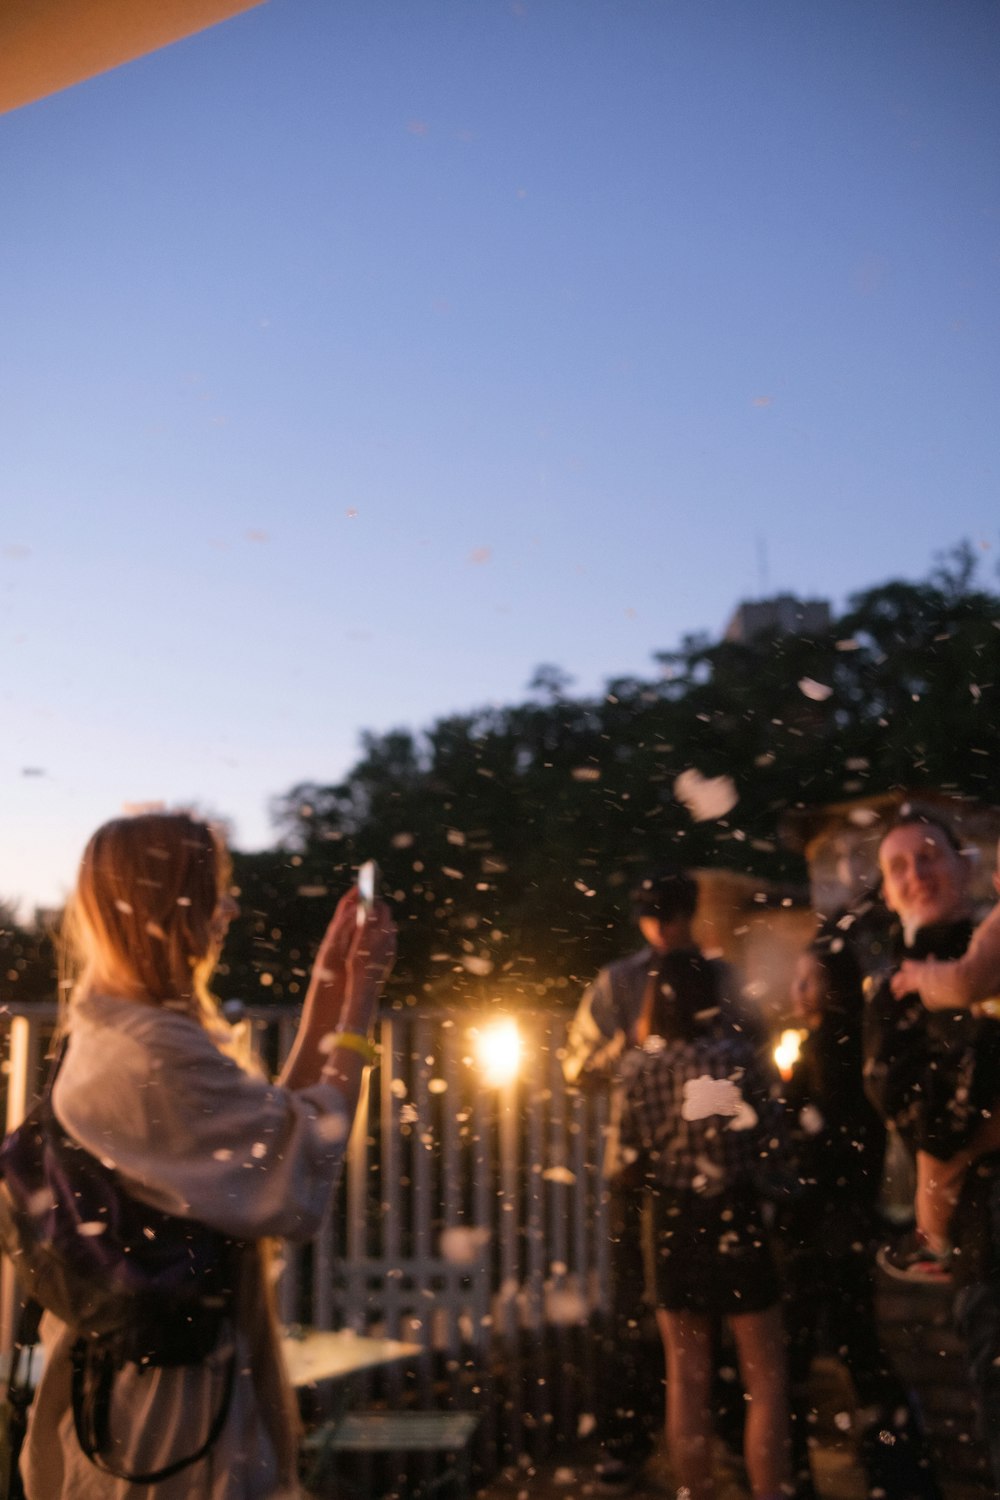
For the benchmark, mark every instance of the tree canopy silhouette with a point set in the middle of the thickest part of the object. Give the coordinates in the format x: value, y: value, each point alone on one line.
x: 509, y: 837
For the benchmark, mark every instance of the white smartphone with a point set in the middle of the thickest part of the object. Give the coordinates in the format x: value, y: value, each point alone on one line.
x: 367, y: 889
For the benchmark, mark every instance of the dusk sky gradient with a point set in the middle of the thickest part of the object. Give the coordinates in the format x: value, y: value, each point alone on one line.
x: 358, y: 357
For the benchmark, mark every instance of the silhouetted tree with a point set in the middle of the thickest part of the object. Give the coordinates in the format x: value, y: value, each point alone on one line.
x: 508, y: 837
x: 27, y: 960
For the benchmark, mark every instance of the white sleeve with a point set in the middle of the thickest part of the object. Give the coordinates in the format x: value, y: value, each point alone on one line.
x: 193, y: 1134
x: 595, y: 1038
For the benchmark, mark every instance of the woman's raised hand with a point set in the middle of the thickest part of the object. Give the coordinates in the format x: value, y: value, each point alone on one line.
x: 335, y: 949
x: 370, y: 959
x: 354, y: 959
x: 370, y: 941
x: 373, y: 948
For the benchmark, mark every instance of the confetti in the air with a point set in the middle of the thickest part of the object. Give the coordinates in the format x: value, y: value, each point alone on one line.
x: 707, y: 1096
x: 461, y: 1245
x: 333, y: 1129
x: 817, y: 691
x: 706, y: 797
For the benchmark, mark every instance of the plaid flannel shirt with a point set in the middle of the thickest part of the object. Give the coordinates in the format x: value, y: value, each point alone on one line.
x: 706, y: 1114
x: 603, y: 1030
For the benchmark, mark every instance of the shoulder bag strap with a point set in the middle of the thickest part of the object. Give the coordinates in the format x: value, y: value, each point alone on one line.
x: 94, y: 1369
x: 20, y: 1394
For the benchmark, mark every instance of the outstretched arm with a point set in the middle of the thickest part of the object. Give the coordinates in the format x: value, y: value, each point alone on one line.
x: 352, y: 963
x: 959, y: 985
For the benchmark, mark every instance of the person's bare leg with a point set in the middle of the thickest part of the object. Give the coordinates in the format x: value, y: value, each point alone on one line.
x: 687, y: 1344
x: 760, y: 1346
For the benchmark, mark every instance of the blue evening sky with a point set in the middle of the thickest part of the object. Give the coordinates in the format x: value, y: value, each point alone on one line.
x: 358, y: 357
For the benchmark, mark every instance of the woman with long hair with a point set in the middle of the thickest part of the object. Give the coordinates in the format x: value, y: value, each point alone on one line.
x: 149, y: 1085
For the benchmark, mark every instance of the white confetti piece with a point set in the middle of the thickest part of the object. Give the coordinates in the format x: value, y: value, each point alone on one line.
x: 40, y: 1203
x: 462, y: 1244
x: 706, y: 797
x: 707, y: 1096
x: 333, y: 1129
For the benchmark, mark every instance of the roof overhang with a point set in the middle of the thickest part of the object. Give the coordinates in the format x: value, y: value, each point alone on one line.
x: 47, y: 45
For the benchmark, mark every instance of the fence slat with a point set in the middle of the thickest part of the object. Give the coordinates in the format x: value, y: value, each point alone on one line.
x: 422, y: 1142
x: 389, y: 1139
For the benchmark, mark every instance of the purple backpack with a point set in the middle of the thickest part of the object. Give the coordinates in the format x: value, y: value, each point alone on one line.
x: 136, y: 1285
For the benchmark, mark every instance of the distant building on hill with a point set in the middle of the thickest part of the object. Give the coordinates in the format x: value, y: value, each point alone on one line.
x: 782, y: 615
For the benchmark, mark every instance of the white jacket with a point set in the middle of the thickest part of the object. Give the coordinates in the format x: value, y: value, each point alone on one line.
x: 193, y: 1134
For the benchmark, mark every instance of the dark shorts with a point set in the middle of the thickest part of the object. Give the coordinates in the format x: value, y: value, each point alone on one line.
x: 712, y: 1255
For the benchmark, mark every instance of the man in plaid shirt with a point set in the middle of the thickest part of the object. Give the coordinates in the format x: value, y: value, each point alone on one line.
x: 704, y: 1113
x: 615, y: 1015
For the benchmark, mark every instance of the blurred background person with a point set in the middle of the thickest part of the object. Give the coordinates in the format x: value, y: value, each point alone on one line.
x: 829, y: 1230
x: 614, y: 1014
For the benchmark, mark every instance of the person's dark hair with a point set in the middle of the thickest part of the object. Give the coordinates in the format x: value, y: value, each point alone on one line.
x: 687, y: 997
x: 665, y: 893
x: 844, y: 981
x: 919, y: 817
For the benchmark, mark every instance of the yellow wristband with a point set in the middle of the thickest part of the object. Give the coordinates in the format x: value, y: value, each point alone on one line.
x: 353, y: 1041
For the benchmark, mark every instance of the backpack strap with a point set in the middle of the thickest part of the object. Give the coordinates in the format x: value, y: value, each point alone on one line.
x: 21, y: 1390
x: 95, y: 1364
x: 20, y: 1394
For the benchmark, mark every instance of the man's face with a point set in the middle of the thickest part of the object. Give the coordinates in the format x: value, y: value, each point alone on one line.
x: 924, y: 879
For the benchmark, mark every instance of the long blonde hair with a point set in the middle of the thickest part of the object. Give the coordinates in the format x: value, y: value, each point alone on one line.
x: 143, y: 921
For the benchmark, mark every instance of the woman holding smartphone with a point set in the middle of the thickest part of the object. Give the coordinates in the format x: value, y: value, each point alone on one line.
x: 149, y: 1085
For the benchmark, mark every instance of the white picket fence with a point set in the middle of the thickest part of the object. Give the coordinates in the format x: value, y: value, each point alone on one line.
x: 471, y: 1212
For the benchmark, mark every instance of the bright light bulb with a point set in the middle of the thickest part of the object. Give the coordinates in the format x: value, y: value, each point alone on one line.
x: 498, y: 1049
x: 786, y: 1052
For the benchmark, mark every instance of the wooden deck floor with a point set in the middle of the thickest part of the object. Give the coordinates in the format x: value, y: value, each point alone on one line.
x: 916, y: 1325
x: 568, y: 1475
